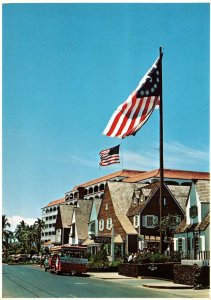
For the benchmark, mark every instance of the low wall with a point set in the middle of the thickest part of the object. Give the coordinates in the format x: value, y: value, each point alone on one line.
x: 130, y: 270
x: 160, y: 270
x: 192, y: 275
x: 101, y: 269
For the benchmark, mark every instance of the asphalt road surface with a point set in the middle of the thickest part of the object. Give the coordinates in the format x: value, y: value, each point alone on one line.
x: 19, y: 281
x: 31, y: 282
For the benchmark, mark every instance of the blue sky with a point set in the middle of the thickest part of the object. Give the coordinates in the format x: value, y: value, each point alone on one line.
x: 66, y: 68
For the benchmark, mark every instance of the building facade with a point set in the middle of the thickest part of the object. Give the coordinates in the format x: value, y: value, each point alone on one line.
x: 49, y: 214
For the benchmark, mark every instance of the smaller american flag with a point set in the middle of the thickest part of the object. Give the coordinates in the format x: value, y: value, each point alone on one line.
x: 109, y: 156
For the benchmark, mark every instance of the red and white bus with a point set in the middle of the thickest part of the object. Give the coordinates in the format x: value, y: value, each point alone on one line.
x: 68, y: 259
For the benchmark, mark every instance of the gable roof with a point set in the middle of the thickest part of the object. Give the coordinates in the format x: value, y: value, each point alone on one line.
x: 204, y: 223
x: 146, y: 190
x: 203, y: 190
x: 66, y: 212
x: 180, y: 193
x: 121, y: 194
x: 122, y: 173
x: 183, y: 227
x: 168, y: 173
x: 95, y: 202
x: 82, y: 213
x: 126, y: 224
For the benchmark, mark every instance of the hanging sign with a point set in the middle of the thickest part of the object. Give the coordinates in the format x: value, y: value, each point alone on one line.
x: 102, y: 239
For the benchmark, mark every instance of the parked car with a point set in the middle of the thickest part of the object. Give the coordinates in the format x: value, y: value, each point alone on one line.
x: 20, y: 257
x: 36, y: 258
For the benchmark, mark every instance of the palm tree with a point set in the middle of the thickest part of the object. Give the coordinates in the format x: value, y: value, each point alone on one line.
x: 5, y: 233
x: 39, y: 226
x: 20, y: 234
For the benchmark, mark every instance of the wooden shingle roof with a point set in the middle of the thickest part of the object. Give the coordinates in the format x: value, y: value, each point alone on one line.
x: 183, y: 227
x: 121, y: 195
x: 66, y: 212
x: 204, y: 223
x: 82, y: 213
x: 203, y: 190
x: 180, y: 193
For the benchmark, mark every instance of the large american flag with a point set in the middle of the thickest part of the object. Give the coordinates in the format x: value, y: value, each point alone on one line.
x: 130, y: 116
x: 109, y: 156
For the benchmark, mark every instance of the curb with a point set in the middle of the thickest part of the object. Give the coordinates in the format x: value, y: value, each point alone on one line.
x: 171, y: 287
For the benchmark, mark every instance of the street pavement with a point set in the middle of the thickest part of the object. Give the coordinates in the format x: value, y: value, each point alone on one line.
x: 31, y: 281
x: 168, y: 286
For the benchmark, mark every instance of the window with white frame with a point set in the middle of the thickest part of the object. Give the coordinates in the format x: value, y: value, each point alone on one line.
x: 101, y: 225
x: 106, y: 207
x: 136, y: 221
x: 149, y: 221
x: 179, y: 244
x: 109, y: 223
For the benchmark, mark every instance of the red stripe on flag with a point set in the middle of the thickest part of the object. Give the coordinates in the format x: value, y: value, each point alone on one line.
x: 127, y: 115
x: 116, y: 119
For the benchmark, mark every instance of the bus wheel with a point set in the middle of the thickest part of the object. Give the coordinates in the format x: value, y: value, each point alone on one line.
x: 73, y: 273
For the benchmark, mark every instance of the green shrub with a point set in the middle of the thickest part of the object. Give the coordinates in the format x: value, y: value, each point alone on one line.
x: 116, y: 262
x: 148, y: 257
x: 143, y: 258
x: 100, y: 259
x: 159, y: 258
x: 6, y: 260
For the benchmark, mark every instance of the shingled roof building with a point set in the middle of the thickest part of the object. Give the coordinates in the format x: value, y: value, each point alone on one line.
x: 192, y: 237
x: 95, y: 189
x: 79, y: 222
x: 144, y: 210
x: 113, y: 210
x: 62, y: 226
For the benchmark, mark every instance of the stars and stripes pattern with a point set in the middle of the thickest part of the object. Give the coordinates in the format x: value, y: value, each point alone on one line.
x: 135, y: 111
x: 109, y: 156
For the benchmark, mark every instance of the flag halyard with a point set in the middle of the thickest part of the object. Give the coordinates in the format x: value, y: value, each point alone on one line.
x: 130, y: 116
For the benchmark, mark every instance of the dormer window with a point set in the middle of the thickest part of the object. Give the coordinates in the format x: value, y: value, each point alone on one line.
x: 193, y: 211
x: 142, y: 199
x: 136, y: 196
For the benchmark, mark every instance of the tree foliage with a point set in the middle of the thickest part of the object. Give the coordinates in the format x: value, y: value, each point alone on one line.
x: 25, y: 239
x: 167, y: 225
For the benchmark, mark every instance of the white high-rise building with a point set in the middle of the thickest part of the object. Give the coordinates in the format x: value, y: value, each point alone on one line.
x: 49, y: 214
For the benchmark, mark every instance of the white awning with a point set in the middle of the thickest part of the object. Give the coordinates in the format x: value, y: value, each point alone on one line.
x: 118, y: 239
x: 89, y: 242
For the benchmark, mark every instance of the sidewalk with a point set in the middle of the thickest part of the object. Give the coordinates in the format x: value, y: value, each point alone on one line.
x: 178, y: 290
x: 144, y: 281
